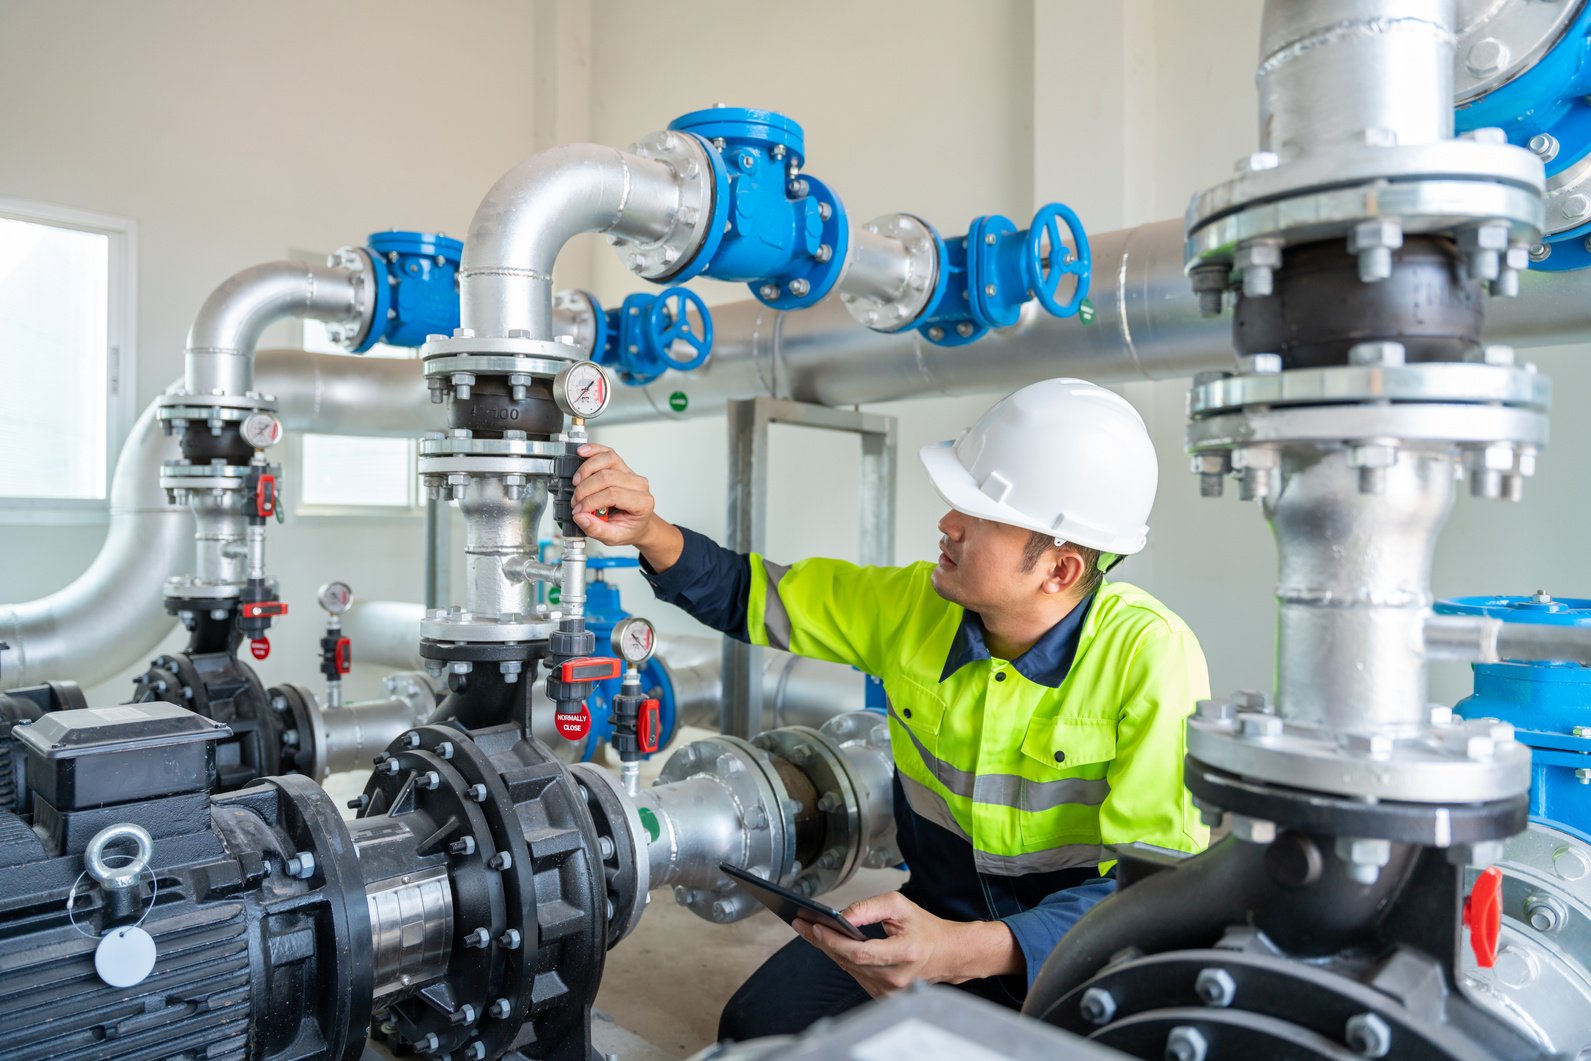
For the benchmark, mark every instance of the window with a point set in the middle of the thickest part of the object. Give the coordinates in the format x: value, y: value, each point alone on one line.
x: 340, y: 474
x: 66, y: 365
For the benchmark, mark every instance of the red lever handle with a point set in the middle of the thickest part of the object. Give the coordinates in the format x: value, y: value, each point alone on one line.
x: 265, y: 497
x: 260, y: 609
x: 648, y: 727
x: 343, y: 656
x: 1483, y: 914
x: 588, y: 669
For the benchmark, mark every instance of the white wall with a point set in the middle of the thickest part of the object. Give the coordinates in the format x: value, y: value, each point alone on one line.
x: 232, y: 133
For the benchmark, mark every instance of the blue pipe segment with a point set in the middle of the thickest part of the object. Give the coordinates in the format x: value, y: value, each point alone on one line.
x: 650, y: 334
x: 416, y: 283
x: 1550, y: 99
x: 986, y: 276
x: 1547, y: 703
x: 785, y: 235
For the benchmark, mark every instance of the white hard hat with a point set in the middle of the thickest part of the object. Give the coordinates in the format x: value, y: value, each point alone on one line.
x: 1061, y: 457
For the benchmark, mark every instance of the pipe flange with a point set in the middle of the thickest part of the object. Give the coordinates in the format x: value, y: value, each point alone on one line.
x: 1450, y: 381
x: 461, y: 444
x: 767, y: 815
x: 1452, y: 761
x: 690, y: 158
x: 1497, y: 40
x: 187, y: 587
x: 1569, y: 197
x: 627, y: 867
x: 1542, y: 977
x: 1426, y: 206
x: 484, y: 465
x: 180, y: 404
x: 919, y: 285
x: 1415, y: 424
x: 582, y: 319
x: 863, y: 740
x: 357, y: 262
x: 843, y: 843
x: 457, y: 624
x: 548, y: 356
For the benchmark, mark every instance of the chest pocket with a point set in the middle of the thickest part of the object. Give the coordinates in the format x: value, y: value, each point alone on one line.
x: 1063, y: 784
x: 921, y: 710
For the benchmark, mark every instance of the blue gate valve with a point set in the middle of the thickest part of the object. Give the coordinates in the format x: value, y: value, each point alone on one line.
x: 650, y: 334
x: 783, y: 234
x: 1545, y: 110
x: 416, y: 288
x: 991, y: 272
x: 1548, y: 703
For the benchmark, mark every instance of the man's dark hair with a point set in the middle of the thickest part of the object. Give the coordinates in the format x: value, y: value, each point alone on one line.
x: 1039, y: 544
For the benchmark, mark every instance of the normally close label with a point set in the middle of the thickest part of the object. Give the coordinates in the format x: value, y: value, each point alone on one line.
x: 572, y: 725
x: 913, y: 1040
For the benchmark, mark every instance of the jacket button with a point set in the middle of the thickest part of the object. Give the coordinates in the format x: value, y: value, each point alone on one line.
x: 907, y: 712
x: 999, y: 676
x: 1060, y: 757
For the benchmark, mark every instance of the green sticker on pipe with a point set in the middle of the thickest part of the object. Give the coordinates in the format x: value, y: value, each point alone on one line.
x: 678, y: 401
x: 649, y: 823
x: 1085, y: 312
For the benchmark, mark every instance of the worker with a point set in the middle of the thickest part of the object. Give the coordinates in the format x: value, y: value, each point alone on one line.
x: 1036, y: 710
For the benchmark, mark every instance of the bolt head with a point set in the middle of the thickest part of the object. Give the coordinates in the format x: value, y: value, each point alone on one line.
x: 1377, y: 354
x: 1544, y: 146
x: 1262, y: 364
x: 1368, y: 1035
x: 1486, y: 57
x: 1097, y: 1005
x: 1215, y: 987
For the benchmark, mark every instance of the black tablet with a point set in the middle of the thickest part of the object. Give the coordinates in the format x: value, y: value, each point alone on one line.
x: 788, y: 905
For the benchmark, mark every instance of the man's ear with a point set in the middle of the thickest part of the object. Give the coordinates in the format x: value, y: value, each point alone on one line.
x: 1066, y: 571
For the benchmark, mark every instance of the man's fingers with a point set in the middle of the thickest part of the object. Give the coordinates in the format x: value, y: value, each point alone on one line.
x: 606, y: 533
x: 890, y: 905
x: 615, y: 498
x: 594, y: 481
x: 605, y: 458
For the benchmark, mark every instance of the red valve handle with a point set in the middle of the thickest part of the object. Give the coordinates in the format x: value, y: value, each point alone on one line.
x: 342, y: 656
x: 1483, y: 915
x: 648, y: 727
x: 265, y: 497
x: 261, y: 609
x: 588, y: 669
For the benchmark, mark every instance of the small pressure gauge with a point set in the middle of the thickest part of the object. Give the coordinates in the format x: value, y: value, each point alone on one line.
x: 336, y: 597
x: 582, y: 389
x: 261, y: 430
x: 634, y: 639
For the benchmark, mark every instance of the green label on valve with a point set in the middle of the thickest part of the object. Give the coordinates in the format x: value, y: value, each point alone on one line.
x: 649, y: 823
x: 678, y: 402
x: 552, y: 595
x: 1085, y: 312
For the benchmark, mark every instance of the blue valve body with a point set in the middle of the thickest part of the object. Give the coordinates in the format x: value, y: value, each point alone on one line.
x: 416, y: 285
x: 1549, y: 97
x: 778, y: 226
x: 988, y: 275
x: 650, y: 334
x: 1543, y: 701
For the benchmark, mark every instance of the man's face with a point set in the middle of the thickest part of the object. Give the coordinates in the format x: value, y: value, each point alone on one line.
x: 981, y: 565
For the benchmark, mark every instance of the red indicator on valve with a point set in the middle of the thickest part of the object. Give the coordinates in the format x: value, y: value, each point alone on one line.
x: 265, y: 608
x: 265, y: 497
x: 1483, y: 916
x: 260, y: 647
x: 573, y: 725
x: 648, y: 726
x: 588, y: 669
x: 343, y: 655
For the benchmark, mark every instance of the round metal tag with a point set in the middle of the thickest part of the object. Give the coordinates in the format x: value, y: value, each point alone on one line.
x: 125, y: 956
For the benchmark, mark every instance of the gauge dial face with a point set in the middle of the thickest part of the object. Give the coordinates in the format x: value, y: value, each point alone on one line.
x: 584, y: 389
x: 634, y: 639
x: 336, y: 597
x: 261, y: 430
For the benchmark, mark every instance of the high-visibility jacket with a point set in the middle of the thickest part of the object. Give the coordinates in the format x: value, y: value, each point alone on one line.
x: 1036, y: 779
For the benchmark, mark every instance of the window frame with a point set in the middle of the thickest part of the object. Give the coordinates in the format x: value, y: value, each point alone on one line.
x: 121, y: 353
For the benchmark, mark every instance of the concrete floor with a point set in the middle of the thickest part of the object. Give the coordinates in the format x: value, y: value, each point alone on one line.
x: 664, y: 986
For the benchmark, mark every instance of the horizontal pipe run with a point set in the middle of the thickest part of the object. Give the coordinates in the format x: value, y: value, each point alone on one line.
x: 335, y: 394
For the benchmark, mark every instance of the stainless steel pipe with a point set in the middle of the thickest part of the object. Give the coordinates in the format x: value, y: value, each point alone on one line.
x: 334, y: 394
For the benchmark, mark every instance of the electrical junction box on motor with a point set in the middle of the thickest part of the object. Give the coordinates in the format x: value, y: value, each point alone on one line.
x: 105, y: 755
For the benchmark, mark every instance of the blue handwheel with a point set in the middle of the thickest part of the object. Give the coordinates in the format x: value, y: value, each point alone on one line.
x: 668, y: 322
x: 1045, y: 271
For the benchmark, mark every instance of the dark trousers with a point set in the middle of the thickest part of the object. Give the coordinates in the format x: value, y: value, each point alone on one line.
x: 800, y: 985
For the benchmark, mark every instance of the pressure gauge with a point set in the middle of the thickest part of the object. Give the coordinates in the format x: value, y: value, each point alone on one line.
x: 634, y: 639
x: 261, y: 430
x: 582, y: 389
x: 336, y: 597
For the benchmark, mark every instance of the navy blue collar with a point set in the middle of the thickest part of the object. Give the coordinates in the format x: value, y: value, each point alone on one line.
x: 1046, y: 663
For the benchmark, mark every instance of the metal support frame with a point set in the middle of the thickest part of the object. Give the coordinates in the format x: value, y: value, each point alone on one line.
x: 740, y: 713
